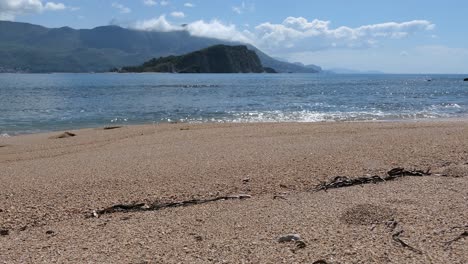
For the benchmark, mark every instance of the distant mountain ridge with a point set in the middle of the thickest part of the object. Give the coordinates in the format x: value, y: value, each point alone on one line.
x: 214, y: 59
x: 32, y: 48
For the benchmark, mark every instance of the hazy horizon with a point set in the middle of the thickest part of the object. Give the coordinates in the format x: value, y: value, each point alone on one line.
x: 392, y: 37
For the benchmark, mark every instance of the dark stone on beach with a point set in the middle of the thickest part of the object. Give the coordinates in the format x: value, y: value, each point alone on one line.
x: 289, y: 238
x: 466, y: 79
x: 66, y: 135
x: 50, y: 232
x: 4, y: 232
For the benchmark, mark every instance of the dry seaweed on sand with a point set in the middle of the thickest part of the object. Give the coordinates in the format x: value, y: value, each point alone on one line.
x: 143, y: 207
x: 343, y: 181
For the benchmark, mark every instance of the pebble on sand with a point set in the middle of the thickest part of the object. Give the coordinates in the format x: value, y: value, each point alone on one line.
x: 289, y: 238
x: 4, y: 232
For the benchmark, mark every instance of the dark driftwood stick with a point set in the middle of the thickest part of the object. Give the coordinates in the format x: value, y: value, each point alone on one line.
x: 343, y: 181
x: 111, y: 127
x: 142, y: 207
x: 396, y: 238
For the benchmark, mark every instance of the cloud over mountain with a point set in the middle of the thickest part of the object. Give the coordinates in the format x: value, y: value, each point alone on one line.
x: 295, y: 33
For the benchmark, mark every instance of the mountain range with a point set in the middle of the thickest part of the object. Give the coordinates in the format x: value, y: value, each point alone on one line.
x: 32, y: 48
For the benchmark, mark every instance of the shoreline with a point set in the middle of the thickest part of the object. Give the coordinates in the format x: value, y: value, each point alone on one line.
x: 415, y: 120
x: 57, y: 191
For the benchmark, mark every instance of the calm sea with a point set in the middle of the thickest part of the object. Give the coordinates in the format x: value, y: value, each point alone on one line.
x: 32, y: 103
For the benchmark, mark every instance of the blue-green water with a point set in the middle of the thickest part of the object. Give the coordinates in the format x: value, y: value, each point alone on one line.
x: 44, y: 102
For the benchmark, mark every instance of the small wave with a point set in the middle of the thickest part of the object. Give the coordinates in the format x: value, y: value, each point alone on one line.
x: 117, y: 120
x: 449, y: 105
x: 183, y: 86
x: 4, y: 135
x: 311, y: 116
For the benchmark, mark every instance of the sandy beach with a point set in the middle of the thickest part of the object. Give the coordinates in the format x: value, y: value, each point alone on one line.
x: 55, y: 190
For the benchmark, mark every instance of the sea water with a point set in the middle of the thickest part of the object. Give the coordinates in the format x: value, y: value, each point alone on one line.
x: 32, y: 103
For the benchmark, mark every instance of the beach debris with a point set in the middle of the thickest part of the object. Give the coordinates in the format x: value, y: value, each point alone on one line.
x: 400, y: 172
x: 111, y: 127
x: 391, y: 224
x: 50, y: 232
x: 4, y: 232
x: 300, y: 244
x: 461, y: 236
x: 466, y: 79
x: 279, y: 196
x: 143, y: 207
x: 396, y: 238
x: 289, y: 238
x: 64, y: 135
x: 320, y: 261
x: 343, y: 181
x: 246, y: 180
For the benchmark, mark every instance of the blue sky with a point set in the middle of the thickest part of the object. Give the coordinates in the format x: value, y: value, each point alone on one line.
x: 391, y: 36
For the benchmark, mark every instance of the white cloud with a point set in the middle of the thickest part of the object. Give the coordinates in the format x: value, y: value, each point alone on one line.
x: 216, y: 29
x: 237, y: 10
x: 122, y: 9
x: 156, y: 24
x: 189, y: 5
x: 164, y: 3
x: 54, y: 6
x: 200, y: 28
x: 243, y: 7
x: 296, y: 33
x: 178, y: 14
x: 304, y: 35
x: 150, y: 2
x: 9, y: 9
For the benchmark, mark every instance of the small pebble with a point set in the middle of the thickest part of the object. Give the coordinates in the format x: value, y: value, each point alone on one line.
x: 289, y: 238
x: 4, y: 232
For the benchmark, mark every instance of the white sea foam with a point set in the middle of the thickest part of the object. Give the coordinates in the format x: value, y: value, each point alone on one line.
x: 4, y: 135
x: 311, y: 116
